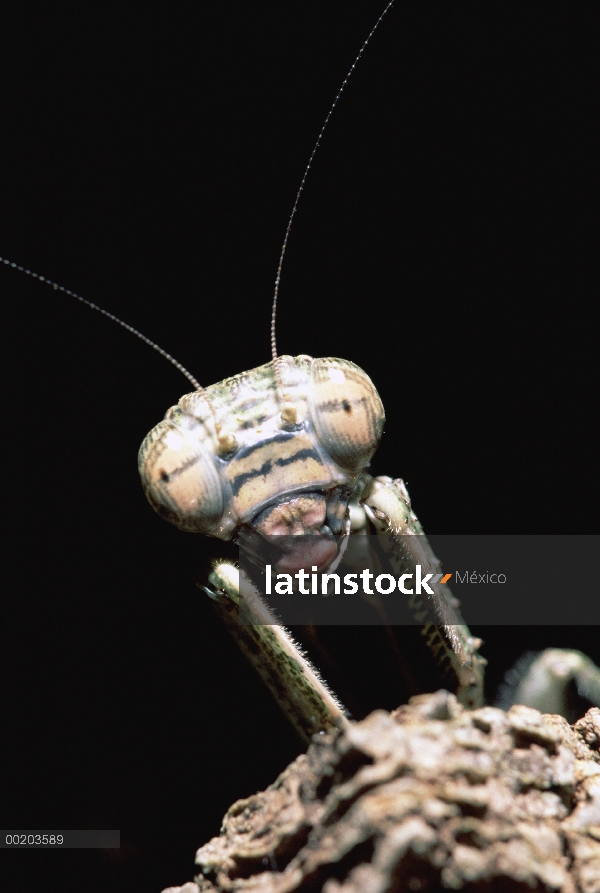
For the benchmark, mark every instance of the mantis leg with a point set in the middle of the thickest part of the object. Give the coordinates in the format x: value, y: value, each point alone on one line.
x: 387, y: 505
x: 280, y: 662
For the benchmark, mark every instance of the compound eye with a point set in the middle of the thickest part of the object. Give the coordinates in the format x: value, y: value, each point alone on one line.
x: 347, y: 412
x: 180, y: 479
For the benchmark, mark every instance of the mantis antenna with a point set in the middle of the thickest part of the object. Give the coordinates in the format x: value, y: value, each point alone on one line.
x: 224, y: 439
x: 288, y: 408
x: 114, y: 318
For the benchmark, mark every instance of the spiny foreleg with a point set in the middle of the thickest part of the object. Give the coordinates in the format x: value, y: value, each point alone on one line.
x: 387, y: 505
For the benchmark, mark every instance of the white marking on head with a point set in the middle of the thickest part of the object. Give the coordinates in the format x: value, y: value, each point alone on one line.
x: 336, y: 375
x: 174, y: 440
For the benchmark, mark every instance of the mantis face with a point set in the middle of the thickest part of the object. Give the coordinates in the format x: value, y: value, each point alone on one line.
x: 230, y: 456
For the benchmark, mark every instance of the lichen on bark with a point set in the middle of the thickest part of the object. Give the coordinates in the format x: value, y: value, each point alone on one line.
x: 430, y: 797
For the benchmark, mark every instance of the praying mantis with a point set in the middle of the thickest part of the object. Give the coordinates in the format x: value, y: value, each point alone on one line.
x: 405, y: 259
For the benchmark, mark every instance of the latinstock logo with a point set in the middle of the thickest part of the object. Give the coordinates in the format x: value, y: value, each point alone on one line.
x: 366, y: 579
x: 384, y: 584
x: 377, y: 581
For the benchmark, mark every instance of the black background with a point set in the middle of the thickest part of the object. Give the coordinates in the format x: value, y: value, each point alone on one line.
x: 149, y: 156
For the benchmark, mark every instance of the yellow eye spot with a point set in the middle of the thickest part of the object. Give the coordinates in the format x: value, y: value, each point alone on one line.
x: 227, y: 442
x: 289, y: 414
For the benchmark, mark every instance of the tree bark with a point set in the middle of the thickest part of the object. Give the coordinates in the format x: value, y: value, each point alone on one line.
x: 430, y: 797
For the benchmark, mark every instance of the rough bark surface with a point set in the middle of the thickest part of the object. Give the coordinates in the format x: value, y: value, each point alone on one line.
x: 430, y: 797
